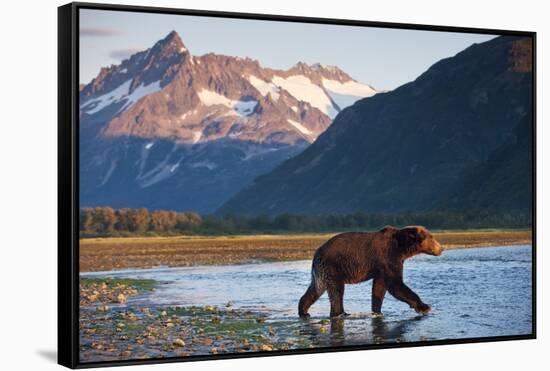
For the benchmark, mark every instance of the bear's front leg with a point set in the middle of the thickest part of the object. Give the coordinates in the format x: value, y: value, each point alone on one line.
x: 400, y: 291
x: 378, y: 293
x: 423, y: 308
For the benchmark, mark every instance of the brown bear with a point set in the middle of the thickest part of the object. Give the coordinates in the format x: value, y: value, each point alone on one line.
x: 354, y: 257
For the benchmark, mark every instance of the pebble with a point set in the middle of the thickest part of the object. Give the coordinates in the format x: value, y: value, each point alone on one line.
x: 179, y: 343
x: 266, y: 348
x: 206, y: 341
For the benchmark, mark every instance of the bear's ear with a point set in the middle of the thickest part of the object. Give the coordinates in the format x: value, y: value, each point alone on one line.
x: 388, y: 229
x: 407, y: 237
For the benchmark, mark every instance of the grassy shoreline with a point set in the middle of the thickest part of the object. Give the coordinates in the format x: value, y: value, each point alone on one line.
x: 111, y: 253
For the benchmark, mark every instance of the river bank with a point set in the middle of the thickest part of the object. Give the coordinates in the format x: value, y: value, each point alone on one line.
x: 104, y: 254
x: 111, y: 330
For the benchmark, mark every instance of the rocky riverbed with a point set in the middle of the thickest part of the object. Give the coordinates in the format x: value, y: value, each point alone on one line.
x: 110, y: 330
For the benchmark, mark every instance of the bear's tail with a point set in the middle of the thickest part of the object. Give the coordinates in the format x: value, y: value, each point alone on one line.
x: 317, y: 275
x: 314, y: 291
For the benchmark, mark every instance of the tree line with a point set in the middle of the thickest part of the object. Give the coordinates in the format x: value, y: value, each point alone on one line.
x: 106, y: 221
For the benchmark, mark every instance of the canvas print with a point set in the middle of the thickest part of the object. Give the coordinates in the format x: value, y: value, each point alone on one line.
x: 256, y: 186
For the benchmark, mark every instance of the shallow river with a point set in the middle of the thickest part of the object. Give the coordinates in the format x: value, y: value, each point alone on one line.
x: 473, y: 293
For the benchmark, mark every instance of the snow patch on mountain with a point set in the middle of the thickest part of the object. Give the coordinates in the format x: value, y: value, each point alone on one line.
x: 161, y: 174
x: 186, y: 114
x: 347, y: 93
x: 109, y: 173
x: 140, y: 92
x: 211, y: 98
x: 242, y: 108
x: 119, y: 95
x: 301, y: 88
x: 99, y: 103
x: 264, y: 87
x: 301, y: 128
x: 197, y: 135
x: 206, y: 164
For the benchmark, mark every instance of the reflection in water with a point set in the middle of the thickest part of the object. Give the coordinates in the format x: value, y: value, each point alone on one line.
x: 323, y: 333
x: 391, y: 331
x: 363, y: 329
x: 460, y: 286
x: 337, y: 335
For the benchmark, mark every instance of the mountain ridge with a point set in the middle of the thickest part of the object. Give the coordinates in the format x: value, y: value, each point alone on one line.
x: 406, y: 149
x: 222, y: 86
x: 167, y: 129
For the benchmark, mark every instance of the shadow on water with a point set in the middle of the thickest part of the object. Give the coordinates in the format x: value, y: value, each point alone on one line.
x: 392, y: 331
x: 348, y: 331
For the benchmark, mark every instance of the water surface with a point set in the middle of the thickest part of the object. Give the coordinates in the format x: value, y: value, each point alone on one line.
x: 474, y: 292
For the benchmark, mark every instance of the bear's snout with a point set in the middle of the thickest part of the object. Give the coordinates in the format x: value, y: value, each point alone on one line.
x: 437, y: 249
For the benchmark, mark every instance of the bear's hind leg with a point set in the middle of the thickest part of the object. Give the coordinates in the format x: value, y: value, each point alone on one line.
x: 336, y: 297
x: 312, y: 294
x: 378, y: 293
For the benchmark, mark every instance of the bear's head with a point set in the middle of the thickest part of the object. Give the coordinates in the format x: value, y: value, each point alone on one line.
x: 415, y: 240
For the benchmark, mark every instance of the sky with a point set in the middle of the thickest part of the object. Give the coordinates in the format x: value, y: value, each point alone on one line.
x: 383, y: 58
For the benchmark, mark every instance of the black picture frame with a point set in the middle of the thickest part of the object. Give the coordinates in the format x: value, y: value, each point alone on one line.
x: 68, y: 180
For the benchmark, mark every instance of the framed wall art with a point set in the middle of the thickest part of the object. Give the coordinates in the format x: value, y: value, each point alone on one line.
x: 237, y: 185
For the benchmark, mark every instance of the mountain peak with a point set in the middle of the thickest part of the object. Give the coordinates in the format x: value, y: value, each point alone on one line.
x: 172, y: 43
x: 329, y: 67
x: 212, y: 91
x: 317, y: 71
x: 173, y: 36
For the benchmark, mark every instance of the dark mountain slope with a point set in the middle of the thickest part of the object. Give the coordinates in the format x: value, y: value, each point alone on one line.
x: 408, y: 149
x: 504, y: 181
